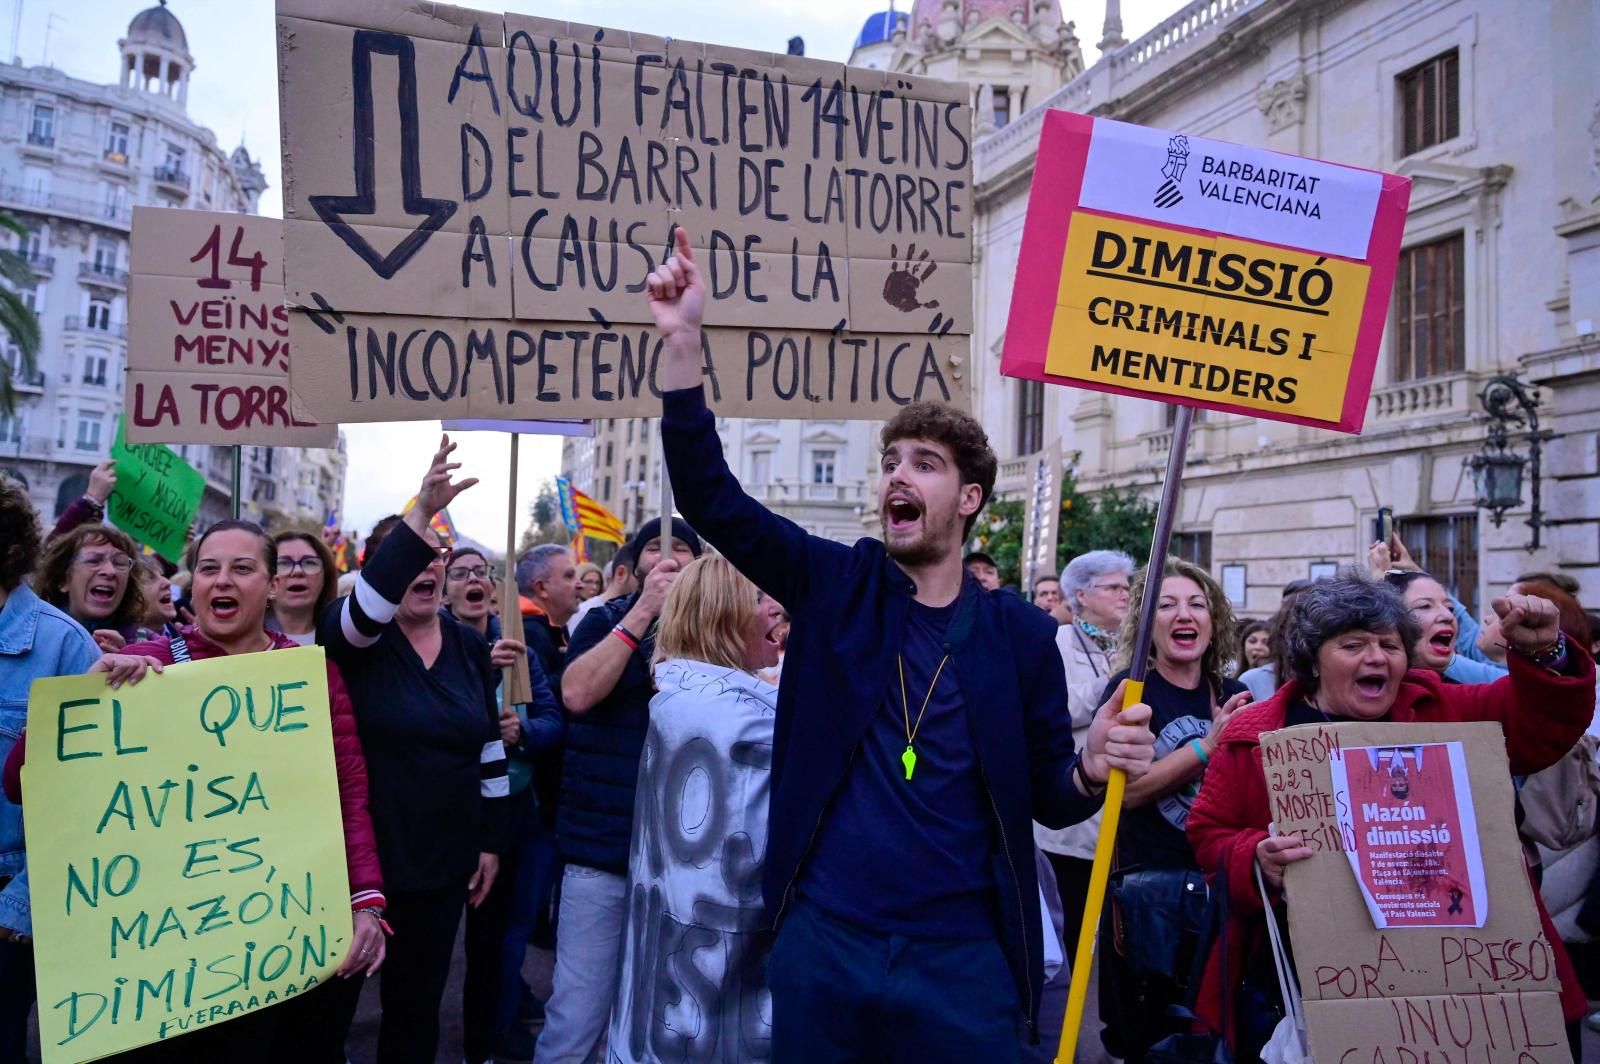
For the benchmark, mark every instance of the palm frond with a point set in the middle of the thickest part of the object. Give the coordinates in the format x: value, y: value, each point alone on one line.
x: 21, y: 324
x: 11, y: 222
x: 15, y: 269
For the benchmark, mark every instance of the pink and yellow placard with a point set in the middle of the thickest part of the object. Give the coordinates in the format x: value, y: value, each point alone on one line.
x: 1196, y: 271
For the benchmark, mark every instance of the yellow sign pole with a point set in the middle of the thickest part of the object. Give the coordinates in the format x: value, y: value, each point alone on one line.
x: 1100, y: 872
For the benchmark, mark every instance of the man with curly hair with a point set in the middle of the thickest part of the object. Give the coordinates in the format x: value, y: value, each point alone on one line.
x: 36, y: 640
x: 921, y: 727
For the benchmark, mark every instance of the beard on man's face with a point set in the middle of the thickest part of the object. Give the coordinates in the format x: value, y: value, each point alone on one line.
x: 930, y: 542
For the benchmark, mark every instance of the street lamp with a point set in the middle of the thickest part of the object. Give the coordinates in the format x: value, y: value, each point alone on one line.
x: 1496, y: 469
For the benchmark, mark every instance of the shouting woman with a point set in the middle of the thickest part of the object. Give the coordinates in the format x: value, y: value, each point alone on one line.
x: 707, y: 761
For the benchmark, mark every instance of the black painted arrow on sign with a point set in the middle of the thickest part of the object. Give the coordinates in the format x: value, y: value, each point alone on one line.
x: 334, y: 210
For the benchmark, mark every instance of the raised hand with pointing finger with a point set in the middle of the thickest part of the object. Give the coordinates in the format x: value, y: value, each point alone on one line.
x: 677, y: 302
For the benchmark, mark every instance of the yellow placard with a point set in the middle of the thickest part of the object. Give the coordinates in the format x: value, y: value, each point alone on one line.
x: 1209, y: 318
x: 185, y: 848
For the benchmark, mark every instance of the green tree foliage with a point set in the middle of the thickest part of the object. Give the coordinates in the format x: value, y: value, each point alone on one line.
x: 1110, y: 519
x: 17, y: 320
x: 547, y: 526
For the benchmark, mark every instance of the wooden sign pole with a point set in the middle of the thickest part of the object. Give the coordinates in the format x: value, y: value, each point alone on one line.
x: 1100, y: 872
x: 515, y: 686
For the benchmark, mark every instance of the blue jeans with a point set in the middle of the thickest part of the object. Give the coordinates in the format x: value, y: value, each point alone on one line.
x: 842, y: 992
x: 594, y: 912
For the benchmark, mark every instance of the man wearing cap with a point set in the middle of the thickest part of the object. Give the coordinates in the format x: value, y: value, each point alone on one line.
x: 606, y: 689
x: 983, y: 570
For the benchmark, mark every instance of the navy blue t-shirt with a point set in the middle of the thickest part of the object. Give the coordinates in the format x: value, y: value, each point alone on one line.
x: 911, y: 857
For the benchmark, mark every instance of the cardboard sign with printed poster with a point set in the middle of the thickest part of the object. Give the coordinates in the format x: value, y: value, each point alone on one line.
x: 1480, y: 985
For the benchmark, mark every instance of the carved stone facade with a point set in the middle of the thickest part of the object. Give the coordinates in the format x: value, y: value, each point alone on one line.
x: 1284, y: 101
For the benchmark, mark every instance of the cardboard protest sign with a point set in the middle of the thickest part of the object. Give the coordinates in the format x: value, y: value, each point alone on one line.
x: 1478, y: 985
x: 530, y: 428
x: 1041, y: 524
x: 157, y: 496
x: 1204, y: 273
x: 470, y: 195
x: 208, y: 334
x: 187, y: 854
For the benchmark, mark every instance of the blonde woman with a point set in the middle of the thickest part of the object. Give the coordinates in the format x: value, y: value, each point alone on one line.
x: 1158, y: 888
x: 700, y: 830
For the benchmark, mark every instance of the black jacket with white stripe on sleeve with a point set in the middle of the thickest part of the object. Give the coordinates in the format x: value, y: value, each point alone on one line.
x: 430, y: 733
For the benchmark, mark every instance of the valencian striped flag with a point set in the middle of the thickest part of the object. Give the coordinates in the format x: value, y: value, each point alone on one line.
x: 441, y: 524
x: 585, y: 517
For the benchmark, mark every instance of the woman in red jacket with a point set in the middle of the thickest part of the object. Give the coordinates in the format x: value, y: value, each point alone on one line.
x: 1347, y: 643
x: 234, y: 565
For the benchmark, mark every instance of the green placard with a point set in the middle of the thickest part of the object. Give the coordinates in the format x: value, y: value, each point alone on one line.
x: 157, y: 496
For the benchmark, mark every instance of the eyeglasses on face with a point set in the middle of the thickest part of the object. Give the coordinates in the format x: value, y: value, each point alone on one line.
x: 310, y: 565
x: 95, y: 559
x: 1115, y: 589
x: 463, y: 572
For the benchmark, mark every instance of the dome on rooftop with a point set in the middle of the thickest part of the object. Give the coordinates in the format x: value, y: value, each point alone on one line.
x: 159, y: 23
x: 880, y: 27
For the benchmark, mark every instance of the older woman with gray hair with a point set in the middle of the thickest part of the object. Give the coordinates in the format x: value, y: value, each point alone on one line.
x: 1094, y: 587
x: 1350, y: 643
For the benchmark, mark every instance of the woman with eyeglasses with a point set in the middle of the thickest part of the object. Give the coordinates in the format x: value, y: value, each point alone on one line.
x: 87, y: 573
x: 493, y: 991
x: 424, y: 687
x: 302, y: 587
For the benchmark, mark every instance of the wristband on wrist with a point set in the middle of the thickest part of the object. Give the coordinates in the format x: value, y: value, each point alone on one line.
x: 94, y: 504
x: 1550, y: 657
x: 1089, y: 787
x: 377, y: 914
x: 1199, y: 749
x: 626, y: 636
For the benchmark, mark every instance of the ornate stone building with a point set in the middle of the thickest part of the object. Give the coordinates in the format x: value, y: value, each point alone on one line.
x: 75, y: 157
x: 1493, y: 111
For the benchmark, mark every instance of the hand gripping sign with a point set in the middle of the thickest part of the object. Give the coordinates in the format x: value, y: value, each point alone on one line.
x: 1204, y: 273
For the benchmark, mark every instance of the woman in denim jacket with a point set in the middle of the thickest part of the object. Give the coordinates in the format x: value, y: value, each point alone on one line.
x: 36, y: 639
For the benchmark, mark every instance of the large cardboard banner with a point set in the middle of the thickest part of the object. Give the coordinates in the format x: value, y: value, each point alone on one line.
x: 157, y: 496
x: 208, y: 334
x: 473, y: 202
x: 185, y: 848
x: 1204, y: 273
x: 1479, y: 986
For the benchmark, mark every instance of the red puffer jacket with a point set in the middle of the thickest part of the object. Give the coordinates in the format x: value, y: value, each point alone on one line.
x: 1543, y: 716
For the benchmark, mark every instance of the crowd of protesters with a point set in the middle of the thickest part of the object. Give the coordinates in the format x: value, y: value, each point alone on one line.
x: 772, y: 797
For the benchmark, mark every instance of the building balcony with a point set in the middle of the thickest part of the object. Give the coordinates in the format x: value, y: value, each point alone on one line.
x: 117, y: 329
x: 41, y: 265
x: 1430, y: 397
x: 40, y: 144
x: 40, y: 201
x: 104, y: 276
x: 781, y: 493
x: 27, y: 384
x: 115, y: 161
x: 171, y: 180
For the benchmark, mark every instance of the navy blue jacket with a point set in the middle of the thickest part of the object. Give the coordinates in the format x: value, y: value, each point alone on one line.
x: 850, y: 607
x: 600, y: 764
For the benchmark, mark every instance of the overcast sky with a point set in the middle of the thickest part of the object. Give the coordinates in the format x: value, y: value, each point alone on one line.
x: 234, y: 91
